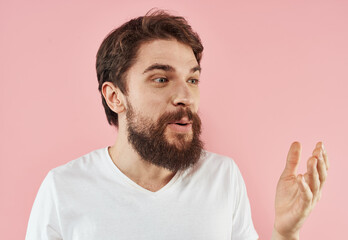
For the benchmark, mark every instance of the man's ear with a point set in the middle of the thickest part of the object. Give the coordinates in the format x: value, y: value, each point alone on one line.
x: 113, y: 97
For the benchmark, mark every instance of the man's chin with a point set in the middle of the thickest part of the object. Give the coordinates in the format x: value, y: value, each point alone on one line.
x: 179, y: 140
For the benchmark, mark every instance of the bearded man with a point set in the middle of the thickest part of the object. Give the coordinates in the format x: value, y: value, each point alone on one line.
x: 157, y: 181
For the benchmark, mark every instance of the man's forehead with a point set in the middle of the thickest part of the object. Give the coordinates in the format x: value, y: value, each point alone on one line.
x: 169, y: 54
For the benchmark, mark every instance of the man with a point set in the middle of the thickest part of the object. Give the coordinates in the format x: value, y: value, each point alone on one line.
x: 156, y: 181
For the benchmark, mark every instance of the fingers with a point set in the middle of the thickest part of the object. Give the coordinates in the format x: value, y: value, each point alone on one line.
x: 293, y: 159
x: 306, y: 193
x: 313, y: 179
x: 322, y: 167
x: 326, y: 159
x: 316, y: 174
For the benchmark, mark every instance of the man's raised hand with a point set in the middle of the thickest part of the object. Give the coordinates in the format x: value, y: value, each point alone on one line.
x: 297, y: 194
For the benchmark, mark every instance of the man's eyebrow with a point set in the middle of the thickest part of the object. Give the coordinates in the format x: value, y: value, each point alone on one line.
x: 168, y: 68
x: 197, y: 68
x: 163, y: 67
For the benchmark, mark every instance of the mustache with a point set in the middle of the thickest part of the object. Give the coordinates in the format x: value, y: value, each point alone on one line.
x: 177, y: 115
x: 170, y: 117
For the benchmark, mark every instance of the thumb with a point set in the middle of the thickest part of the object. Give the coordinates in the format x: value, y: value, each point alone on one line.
x: 293, y: 159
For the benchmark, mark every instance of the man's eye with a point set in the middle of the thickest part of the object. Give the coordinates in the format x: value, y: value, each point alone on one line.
x: 160, y: 80
x: 193, y: 81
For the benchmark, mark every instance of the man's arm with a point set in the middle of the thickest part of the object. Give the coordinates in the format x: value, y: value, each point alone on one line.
x: 43, y: 222
x: 297, y: 195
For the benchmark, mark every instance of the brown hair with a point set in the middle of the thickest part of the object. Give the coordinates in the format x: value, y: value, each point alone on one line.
x: 118, y: 51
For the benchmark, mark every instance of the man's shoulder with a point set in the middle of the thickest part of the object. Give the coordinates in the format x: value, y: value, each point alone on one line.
x: 213, y: 169
x: 211, y: 162
x: 216, y: 158
x: 88, y: 162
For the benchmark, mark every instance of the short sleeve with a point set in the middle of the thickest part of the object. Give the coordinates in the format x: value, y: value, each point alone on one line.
x: 242, y: 224
x: 44, y: 219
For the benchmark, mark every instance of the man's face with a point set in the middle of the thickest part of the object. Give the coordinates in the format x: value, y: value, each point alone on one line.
x: 162, y: 104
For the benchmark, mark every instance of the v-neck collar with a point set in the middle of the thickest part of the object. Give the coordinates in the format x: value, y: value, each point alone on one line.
x: 129, y: 181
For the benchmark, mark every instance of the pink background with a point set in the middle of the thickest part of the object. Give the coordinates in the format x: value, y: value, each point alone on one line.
x: 273, y: 72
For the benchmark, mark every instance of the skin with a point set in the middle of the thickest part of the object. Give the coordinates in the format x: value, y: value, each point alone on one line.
x: 157, y: 91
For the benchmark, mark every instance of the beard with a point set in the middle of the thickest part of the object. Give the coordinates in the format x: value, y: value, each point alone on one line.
x: 150, y: 142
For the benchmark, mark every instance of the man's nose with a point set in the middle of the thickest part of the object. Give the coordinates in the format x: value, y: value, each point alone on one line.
x: 183, y: 95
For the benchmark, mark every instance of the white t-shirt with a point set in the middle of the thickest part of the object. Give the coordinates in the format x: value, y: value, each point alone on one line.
x: 91, y: 199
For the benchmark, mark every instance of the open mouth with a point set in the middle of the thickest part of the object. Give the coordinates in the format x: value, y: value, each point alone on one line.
x: 181, y: 124
x: 184, y: 125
